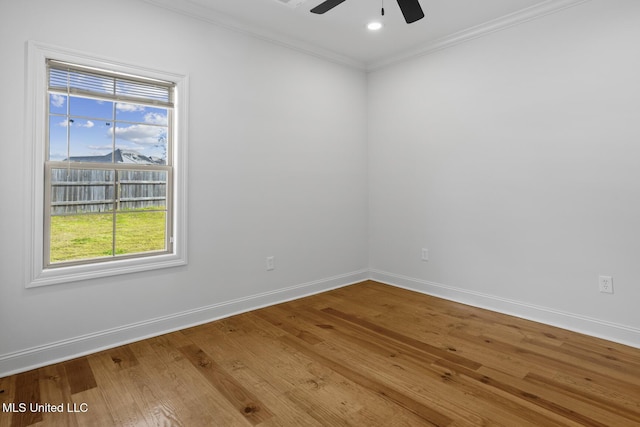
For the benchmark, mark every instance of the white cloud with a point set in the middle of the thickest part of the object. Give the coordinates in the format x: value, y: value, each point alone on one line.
x: 155, y: 118
x: 64, y: 123
x: 140, y: 134
x: 57, y: 100
x: 89, y: 124
x: 129, y: 108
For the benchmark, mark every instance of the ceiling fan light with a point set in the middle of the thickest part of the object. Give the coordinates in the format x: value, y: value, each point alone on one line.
x: 374, y: 25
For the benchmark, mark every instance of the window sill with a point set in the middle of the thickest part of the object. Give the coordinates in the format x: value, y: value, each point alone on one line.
x: 53, y: 276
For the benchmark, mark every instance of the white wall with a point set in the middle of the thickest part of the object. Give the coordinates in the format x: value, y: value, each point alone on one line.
x: 514, y: 159
x: 277, y: 166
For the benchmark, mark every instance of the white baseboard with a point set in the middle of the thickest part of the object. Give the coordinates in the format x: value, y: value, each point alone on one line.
x: 21, y: 361
x: 585, y: 325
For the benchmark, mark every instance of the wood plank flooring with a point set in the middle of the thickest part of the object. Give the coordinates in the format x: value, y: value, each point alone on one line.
x: 363, y: 355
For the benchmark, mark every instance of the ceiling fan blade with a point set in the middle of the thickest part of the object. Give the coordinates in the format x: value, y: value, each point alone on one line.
x: 326, y: 6
x: 411, y: 10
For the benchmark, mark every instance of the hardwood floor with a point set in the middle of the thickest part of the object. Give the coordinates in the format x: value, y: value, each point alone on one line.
x: 363, y: 355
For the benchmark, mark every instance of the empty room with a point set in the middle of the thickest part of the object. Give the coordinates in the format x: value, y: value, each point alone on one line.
x: 320, y: 213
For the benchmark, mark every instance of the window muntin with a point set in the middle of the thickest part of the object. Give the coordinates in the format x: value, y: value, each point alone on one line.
x: 108, y: 166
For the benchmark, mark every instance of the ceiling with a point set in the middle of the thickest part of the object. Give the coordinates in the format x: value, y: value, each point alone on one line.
x: 341, y: 34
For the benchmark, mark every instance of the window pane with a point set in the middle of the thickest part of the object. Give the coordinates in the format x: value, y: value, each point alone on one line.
x: 57, y: 103
x: 145, y: 144
x: 78, y: 237
x: 142, y: 190
x: 90, y: 141
x: 82, y: 191
x: 130, y: 112
x: 91, y: 108
x: 140, y: 231
x: 57, y: 138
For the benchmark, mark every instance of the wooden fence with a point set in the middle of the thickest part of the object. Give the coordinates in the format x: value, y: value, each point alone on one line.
x: 75, y: 191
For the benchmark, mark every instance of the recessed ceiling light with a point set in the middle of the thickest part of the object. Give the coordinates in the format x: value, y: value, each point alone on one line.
x: 374, y: 26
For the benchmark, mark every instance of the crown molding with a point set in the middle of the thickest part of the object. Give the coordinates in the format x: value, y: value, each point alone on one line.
x: 196, y: 11
x: 528, y: 14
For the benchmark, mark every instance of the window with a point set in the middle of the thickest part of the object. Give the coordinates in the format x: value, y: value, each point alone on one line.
x: 107, y: 168
x: 107, y: 172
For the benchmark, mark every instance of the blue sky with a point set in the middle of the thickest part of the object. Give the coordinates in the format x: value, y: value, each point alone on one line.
x: 91, y: 124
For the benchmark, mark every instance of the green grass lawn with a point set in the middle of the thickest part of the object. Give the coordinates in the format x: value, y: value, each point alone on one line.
x: 79, y: 237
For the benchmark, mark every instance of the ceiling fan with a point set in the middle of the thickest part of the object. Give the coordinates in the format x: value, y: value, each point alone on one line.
x: 410, y: 9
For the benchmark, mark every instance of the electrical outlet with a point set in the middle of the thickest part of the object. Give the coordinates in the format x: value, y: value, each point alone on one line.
x: 425, y: 254
x: 271, y: 263
x: 605, y: 284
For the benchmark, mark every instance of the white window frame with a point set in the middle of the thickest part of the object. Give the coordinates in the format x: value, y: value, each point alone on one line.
x: 35, y: 146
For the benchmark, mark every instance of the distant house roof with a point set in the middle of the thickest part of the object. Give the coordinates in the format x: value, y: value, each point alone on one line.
x: 119, y: 156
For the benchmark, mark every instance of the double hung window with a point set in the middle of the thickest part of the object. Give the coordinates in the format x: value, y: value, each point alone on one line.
x: 108, y: 171
x: 107, y: 167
